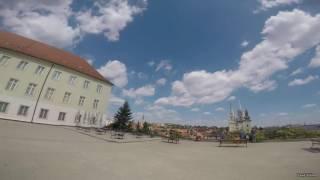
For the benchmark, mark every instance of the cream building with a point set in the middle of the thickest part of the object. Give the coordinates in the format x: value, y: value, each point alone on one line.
x: 43, y: 84
x: 240, y: 122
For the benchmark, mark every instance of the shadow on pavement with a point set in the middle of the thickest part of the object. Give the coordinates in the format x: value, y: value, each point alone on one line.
x: 312, y: 150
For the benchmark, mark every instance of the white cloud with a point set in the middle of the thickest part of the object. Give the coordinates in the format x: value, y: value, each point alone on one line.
x: 195, y: 109
x: 116, y: 100
x: 164, y: 64
x: 45, y: 21
x: 116, y: 72
x: 262, y: 114
x: 109, y: 17
x: 159, y: 114
x: 267, y: 4
x: 90, y: 61
x: 296, y: 72
x: 285, y: 36
x: 298, y: 82
x: 151, y: 63
x: 142, y: 75
x: 283, y: 114
x: 50, y: 21
x: 207, y: 113
x: 139, y: 101
x: 309, y: 106
x: 147, y: 90
x: 220, y: 109
x: 231, y: 98
x: 161, y: 82
x: 245, y: 43
x: 315, y: 61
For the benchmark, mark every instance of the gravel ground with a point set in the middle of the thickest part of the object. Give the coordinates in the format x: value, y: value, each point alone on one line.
x: 43, y: 152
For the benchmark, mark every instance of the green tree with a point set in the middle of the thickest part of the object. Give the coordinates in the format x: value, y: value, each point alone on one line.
x: 130, y: 126
x: 138, y: 127
x: 122, y: 117
x: 146, y: 128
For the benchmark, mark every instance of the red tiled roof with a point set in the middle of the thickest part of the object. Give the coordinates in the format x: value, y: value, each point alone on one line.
x: 48, y: 53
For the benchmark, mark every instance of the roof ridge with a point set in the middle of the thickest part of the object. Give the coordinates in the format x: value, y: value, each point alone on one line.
x: 49, y: 53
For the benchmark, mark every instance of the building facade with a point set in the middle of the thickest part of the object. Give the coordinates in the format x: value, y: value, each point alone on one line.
x: 240, y: 121
x: 43, y: 84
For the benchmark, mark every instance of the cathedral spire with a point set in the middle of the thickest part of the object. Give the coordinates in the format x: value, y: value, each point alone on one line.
x: 240, y: 105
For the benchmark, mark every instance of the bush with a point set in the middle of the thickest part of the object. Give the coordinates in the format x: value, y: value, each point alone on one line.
x: 260, y: 136
x: 286, y: 133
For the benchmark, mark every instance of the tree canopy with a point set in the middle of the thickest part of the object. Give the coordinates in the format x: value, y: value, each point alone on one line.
x: 122, y: 117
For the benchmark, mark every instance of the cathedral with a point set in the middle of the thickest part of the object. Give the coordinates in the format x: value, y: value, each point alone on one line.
x: 240, y: 121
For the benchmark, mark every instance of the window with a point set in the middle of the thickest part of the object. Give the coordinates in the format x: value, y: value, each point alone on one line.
x: 86, y: 84
x: 39, y: 70
x: 56, y: 75
x: 12, y: 83
x: 22, y: 65
x: 3, y: 107
x: 30, y: 89
x: 99, y: 88
x: 62, y: 115
x: 95, y: 103
x: 43, y: 113
x: 49, y: 93
x: 23, y: 110
x: 72, y: 80
x: 81, y: 100
x: 4, y: 60
x: 66, y: 97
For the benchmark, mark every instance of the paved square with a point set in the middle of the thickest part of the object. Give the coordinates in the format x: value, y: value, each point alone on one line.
x: 42, y: 152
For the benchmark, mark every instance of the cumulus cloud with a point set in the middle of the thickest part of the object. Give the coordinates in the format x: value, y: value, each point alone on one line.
x: 147, y: 90
x: 299, y: 82
x: 116, y: 72
x: 285, y: 36
x: 267, y: 4
x: 207, y: 113
x: 45, y: 20
x: 161, y: 82
x: 151, y: 63
x: 164, y: 64
x: 231, y: 98
x: 220, y: 109
x: 142, y: 75
x: 195, y: 109
x: 283, y: 114
x: 114, y: 100
x: 296, y: 72
x: 245, y: 43
x: 315, y: 61
x: 109, y: 17
x: 309, y: 106
x: 90, y: 61
x: 49, y: 21
x: 160, y: 114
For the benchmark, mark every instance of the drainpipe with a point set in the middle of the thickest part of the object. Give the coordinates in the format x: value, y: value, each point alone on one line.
x: 41, y: 90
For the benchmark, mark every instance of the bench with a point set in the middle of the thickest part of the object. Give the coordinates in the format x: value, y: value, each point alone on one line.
x: 101, y: 131
x: 139, y: 135
x: 233, y: 141
x: 117, y: 135
x: 315, y: 142
x: 173, y: 139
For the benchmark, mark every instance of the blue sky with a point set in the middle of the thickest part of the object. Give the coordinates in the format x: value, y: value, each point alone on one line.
x: 183, y: 61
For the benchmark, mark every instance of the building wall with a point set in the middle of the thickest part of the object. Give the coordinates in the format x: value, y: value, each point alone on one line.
x: 17, y: 97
